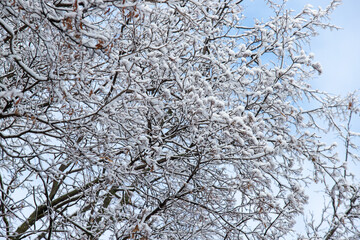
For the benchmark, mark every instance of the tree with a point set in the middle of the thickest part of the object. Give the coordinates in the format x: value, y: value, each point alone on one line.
x: 167, y: 120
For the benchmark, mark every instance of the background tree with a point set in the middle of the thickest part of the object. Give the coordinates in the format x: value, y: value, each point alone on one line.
x: 166, y: 120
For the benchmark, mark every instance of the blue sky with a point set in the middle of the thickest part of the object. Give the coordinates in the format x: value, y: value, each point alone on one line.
x: 339, y: 54
x: 339, y: 51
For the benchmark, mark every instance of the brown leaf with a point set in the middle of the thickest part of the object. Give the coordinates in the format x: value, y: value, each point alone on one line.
x: 136, y: 229
x: 75, y: 6
x: 67, y: 23
x: 99, y: 44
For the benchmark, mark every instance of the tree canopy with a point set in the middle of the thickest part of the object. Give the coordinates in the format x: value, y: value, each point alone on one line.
x: 168, y: 119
